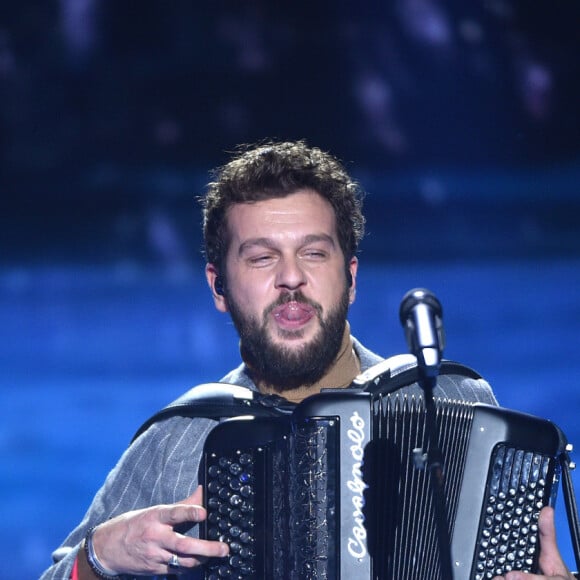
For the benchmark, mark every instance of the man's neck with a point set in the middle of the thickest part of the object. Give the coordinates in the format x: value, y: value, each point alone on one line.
x: 340, y: 374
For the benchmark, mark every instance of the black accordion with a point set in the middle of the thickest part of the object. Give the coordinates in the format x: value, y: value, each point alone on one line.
x: 331, y: 490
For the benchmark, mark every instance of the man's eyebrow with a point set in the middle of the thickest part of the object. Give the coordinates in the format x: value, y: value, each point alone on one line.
x: 269, y: 243
x: 251, y: 242
x: 313, y: 238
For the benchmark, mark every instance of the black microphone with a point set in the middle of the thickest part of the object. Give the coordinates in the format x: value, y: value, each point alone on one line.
x: 422, y: 318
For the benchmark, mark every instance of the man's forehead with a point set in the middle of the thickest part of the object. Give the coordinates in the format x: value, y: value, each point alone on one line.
x: 300, y: 208
x: 299, y: 220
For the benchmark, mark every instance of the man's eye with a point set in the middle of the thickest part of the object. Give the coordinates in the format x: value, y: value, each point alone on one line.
x: 315, y: 254
x: 259, y: 260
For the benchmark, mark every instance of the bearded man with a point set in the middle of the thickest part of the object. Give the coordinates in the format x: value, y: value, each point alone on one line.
x: 282, y: 225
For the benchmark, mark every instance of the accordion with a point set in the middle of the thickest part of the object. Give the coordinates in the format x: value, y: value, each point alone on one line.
x: 331, y: 490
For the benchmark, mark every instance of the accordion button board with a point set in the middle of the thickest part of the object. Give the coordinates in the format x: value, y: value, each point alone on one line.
x: 332, y: 492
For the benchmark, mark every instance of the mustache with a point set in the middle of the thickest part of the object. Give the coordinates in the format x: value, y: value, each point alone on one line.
x: 296, y: 296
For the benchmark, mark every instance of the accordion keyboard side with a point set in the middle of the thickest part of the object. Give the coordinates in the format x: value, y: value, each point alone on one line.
x: 245, y: 475
x: 512, y: 472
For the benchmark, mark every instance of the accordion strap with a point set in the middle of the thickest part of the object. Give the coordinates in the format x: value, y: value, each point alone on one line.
x: 220, y: 401
x: 402, y: 370
x: 223, y: 400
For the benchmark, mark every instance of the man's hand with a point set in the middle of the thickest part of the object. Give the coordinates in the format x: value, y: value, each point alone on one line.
x: 142, y: 542
x: 550, y: 562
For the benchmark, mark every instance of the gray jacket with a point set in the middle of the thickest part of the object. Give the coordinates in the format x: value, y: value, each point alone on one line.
x: 161, y: 466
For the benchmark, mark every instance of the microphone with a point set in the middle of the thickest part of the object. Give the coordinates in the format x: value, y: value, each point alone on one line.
x: 421, y: 315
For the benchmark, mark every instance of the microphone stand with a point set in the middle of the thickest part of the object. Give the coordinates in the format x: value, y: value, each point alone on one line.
x: 421, y: 316
x: 433, y: 461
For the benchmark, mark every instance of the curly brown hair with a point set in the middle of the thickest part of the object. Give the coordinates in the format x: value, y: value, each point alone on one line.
x: 277, y: 169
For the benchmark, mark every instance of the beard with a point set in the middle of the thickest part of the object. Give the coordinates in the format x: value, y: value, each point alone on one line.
x: 287, y: 368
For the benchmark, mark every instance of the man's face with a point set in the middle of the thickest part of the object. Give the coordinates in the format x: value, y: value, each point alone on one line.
x: 286, y: 286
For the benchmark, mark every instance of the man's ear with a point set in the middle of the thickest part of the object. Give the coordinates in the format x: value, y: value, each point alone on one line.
x: 216, y: 285
x: 351, y: 278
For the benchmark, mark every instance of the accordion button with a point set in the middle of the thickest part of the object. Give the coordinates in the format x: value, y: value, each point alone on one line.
x: 235, y: 468
x: 246, y: 490
x: 246, y: 523
x: 236, y: 500
x: 246, y: 507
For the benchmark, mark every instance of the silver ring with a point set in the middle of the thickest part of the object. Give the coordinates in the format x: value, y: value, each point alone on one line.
x: 173, y: 561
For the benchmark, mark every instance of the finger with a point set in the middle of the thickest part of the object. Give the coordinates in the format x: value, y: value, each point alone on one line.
x: 192, y: 552
x: 184, y: 561
x: 551, y: 562
x: 181, y: 513
x: 195, y: 548
x: 196, y: 498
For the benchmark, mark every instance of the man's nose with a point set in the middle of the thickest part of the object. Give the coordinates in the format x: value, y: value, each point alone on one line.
x: 290, y: 275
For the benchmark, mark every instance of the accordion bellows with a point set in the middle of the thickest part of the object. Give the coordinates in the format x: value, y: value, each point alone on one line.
x: 333, y: 491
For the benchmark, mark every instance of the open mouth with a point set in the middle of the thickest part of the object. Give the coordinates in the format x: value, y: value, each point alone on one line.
x: 292, y: 315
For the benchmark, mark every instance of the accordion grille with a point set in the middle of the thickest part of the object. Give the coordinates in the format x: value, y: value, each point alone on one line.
x: 404, y: 541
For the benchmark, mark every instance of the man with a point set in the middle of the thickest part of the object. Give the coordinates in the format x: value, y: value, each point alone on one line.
x: 282, y: 224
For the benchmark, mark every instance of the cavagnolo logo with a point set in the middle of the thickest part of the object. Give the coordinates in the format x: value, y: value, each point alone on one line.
x: 357, y: 540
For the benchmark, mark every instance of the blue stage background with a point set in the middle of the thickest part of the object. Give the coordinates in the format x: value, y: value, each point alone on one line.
x: 89, y: 353
x: 461, y: 120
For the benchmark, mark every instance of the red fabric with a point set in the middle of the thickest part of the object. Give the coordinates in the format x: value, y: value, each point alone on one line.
x: 75, y: 571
